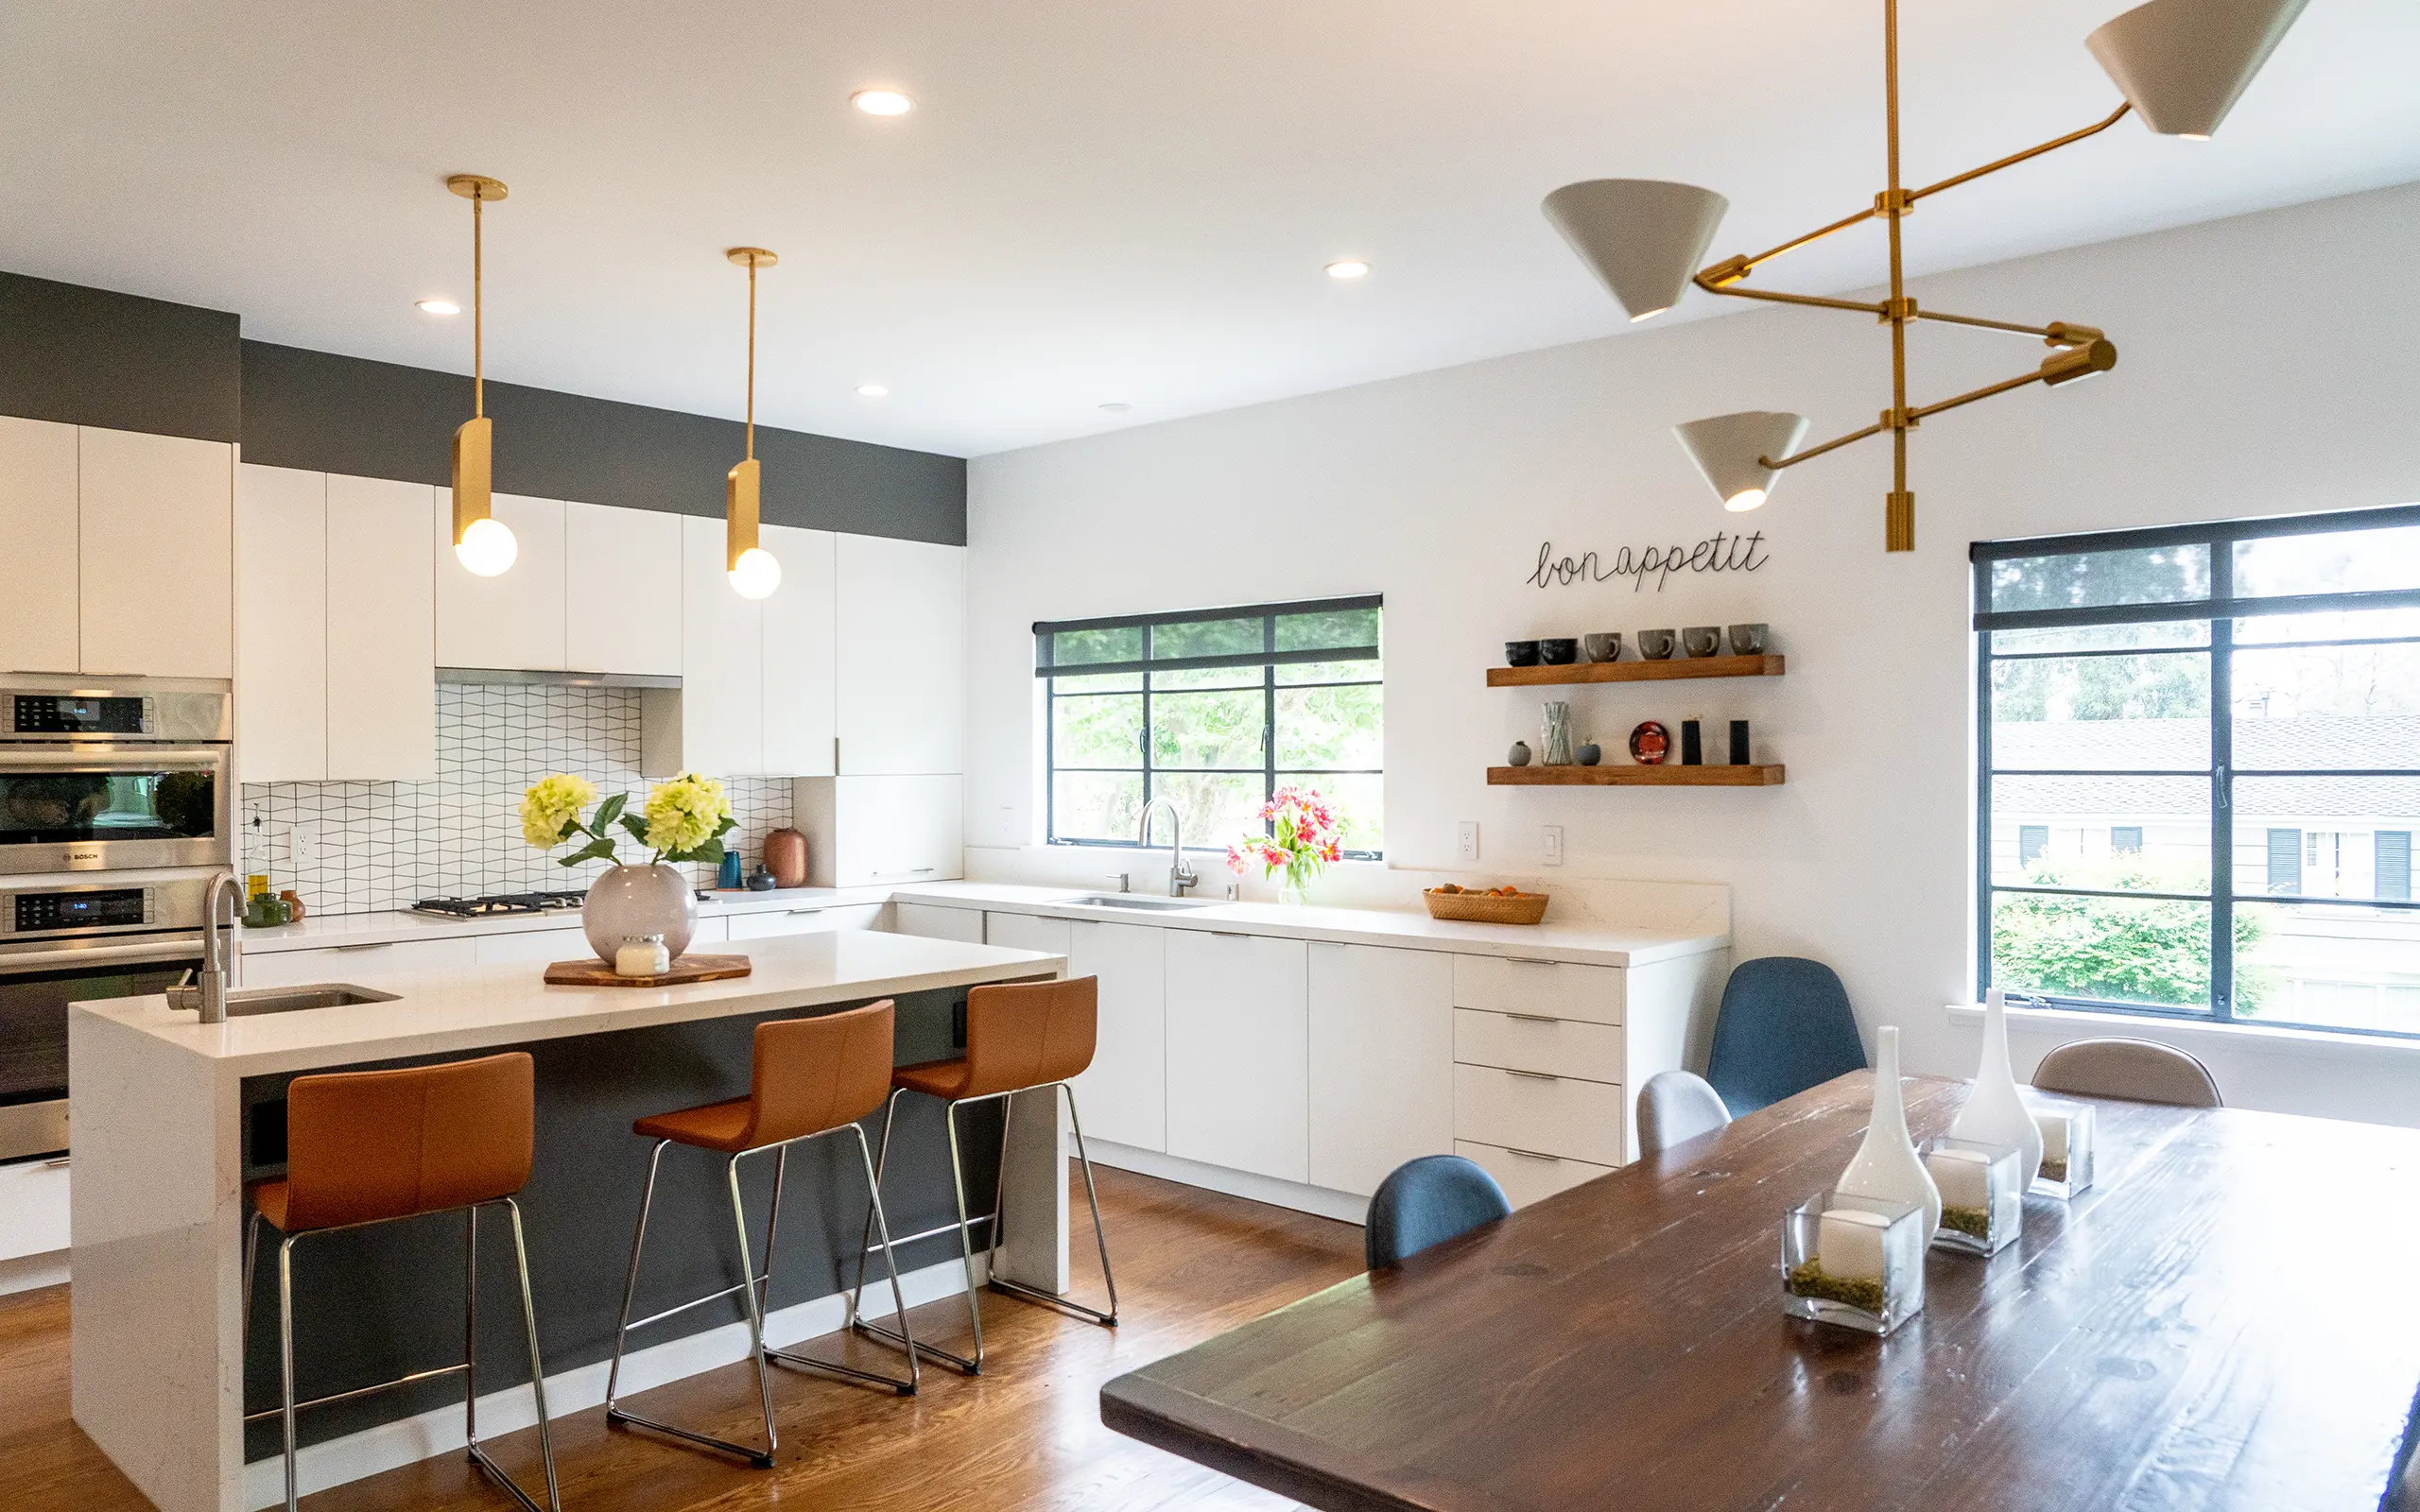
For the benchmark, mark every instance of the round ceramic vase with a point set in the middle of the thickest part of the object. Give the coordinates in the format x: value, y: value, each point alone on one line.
x: 1995, y: 1111
x: 1886, y: 1165
x: 631, y: 902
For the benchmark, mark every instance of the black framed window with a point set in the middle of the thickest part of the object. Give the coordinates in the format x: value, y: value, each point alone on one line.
x: 2198, y: 769
x: 1214, y: 710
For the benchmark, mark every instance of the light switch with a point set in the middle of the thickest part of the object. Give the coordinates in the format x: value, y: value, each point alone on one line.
x: 1553, y: 834
x: 1466, y: 841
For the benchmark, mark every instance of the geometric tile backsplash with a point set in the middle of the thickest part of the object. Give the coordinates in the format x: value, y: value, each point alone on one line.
x: 357, y: 847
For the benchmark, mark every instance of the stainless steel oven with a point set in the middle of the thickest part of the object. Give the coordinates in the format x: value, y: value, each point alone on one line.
x: 112, y: 775
x: 64, y: 942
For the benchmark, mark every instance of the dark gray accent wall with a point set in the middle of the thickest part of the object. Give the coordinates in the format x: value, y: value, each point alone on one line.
x: 335, y: 413
x: 85, y: 356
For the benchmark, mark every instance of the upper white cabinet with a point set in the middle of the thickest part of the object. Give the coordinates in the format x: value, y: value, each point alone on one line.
x: 334, y: 662
x: 862, y: 832
x: 800, y: 652
x: 155, y: 581
x: 902, y: 624
x: 38, y: 617
x: 282, y: 631
x: 1381, y: 1061
x: 1237, y: 1075
x: 515, y: 619
x: 615, y: 617
x: 722, y: 662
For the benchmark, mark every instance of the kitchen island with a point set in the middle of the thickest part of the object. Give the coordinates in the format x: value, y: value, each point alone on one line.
x: 172, y: 1118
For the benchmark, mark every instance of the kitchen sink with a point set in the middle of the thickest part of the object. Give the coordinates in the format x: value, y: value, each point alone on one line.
x: 1127, y: 899
x: 251, y: 1001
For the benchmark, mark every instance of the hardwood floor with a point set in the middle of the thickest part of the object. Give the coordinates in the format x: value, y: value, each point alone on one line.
x: 1025, y: 1434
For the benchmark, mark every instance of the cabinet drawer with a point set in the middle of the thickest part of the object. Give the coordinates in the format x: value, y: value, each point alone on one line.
x: 1526, y: 1176
x: 33, y: 1208
x: 369, y: 964
x: 1551, y: 1115
x: 547, y: 945
x: 1519, y: 1042
x: 1555, y: 989
x: 807, y: 920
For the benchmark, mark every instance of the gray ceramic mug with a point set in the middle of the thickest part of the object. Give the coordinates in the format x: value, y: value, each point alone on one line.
x: 1747, y: 640
x: 1605, y: 646
x: 1655, y: 645
x: 1702, y: 640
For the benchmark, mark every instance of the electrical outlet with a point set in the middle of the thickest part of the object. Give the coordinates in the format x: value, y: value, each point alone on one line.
x: 1466, y: 841
x: 302, y: 843
x: 1553, y: 835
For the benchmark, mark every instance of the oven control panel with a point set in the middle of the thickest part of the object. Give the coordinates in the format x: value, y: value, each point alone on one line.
x: 59, y: 713
x: 79, y: 908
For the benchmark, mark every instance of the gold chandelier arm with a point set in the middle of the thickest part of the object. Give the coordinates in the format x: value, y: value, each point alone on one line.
x: 1922, y: 411
x: 1733, y: 268
x: 2045, y: 331
x: 1777, y: 297
x: 2054, y: 144
x: 1832, y: 445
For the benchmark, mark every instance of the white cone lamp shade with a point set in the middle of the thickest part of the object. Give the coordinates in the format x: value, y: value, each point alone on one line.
x: 2184, y: 64
x: 1644, y: 237
x: 1730, y: 450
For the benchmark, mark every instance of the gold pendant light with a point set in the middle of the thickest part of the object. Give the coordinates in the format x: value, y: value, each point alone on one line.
x: 2181, y: 64
x: 482, y: 543
x: 754, y: 572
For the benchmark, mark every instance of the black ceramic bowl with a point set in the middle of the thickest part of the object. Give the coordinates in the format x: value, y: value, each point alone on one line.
x: 1559, y: 653
x: 1520, y: 653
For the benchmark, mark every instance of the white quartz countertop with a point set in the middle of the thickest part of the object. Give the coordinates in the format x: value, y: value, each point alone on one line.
x: 323, y: 931
x: 480, y: 1006
x: 1412, y: 928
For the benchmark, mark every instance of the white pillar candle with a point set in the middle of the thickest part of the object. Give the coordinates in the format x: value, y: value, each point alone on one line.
x: 2053, y: 1123
x: 1848, y: 1243
x: 1965, y: 1178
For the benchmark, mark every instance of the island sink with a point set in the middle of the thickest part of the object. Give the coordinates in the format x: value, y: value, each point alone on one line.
x: 253, y: 1001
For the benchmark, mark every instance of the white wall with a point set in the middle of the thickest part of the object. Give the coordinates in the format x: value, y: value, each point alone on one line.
x: 2269, y: 365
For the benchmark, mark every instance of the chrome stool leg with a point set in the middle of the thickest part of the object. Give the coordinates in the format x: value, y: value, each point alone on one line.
x: 881, y: 1164
x: 631, y: 1286
x: 285, y: 1361
x: 755, y: 1314
x: 252, y: 1257
x: 478, y: 1450
x: 1100, y: 1239
x: 898, y: 1296
x: 966, y: 1251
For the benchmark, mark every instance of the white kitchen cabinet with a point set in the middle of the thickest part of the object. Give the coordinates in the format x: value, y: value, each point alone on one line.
x: 33, y: 1209
x: 1237, y: 1073
x: 282, y: 629
x: 722, y: 728
x: 799, y: 647
x: 1552, y: 1115
x: 380, y: 965
x: 616, y: 618
x: 933, y: 922
x: 38, y: 521
x: 1124, y: 1095
x: 818, y: 920
x: 1528, y: 1176
x: 537, y: 946
x: 1381, y: 1059
x: 515, y: 619
x: 156, y: 571
x: 901, y: 637
x: 863, y: 832
x: 381, y: 632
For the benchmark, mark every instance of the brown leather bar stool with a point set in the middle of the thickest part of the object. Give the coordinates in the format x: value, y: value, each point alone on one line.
x: 810, y: 1078
x: 1020, y: 1036
x: 374, y: 1147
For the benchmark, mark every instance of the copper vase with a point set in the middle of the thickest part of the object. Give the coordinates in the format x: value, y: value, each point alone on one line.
x: 785, y: 857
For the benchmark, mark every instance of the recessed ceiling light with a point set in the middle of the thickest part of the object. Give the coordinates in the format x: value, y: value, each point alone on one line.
x: 1117, y: 407
x: 882, y: 102
x: 1348, y: 267
x: 873, y: 390
x: 438, y: 307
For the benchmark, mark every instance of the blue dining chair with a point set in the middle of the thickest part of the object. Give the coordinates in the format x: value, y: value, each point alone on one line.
x: 1783, y: 1026
x: 1427, y: 1201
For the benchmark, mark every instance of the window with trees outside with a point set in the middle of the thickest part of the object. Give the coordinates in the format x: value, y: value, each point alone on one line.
x: 2198, y: 770
x: 1214, y: 710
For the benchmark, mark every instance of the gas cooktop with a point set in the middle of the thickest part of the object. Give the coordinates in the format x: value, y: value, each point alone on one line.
x: 503, y: 902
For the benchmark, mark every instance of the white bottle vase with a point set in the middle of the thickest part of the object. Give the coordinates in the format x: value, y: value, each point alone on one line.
x: 1995, y: 1111
x: 1886, y: 1165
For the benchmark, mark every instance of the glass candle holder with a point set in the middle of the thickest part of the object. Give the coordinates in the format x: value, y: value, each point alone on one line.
x: 1982, y: 1195
x: 2066, y: 1147
x: 1555, y: 734
x: 1857, y: 1263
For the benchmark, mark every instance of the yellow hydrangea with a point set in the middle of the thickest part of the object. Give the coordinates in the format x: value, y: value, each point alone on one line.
x: 685, y: 813
x: 551, y: 806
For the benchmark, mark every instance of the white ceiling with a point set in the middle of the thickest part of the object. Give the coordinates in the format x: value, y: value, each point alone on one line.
x: 1094, y: 201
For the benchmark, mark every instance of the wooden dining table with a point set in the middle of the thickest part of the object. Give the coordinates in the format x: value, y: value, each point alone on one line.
x: 2229, y: 1318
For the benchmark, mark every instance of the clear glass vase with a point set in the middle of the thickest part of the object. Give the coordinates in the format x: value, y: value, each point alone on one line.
x: 1555, y: 737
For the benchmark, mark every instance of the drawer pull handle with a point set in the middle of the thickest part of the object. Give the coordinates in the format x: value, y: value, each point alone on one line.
x: 1530, y: 1075
x: 1531, y: 960
x: 375, y: 945
x: 1532, y: 1155
x: 1229, y: 933
x: 1533, y: 1017
x: 795, y: 912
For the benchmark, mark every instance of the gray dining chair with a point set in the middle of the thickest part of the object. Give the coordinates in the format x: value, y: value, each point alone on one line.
x: 2137, y: 1071
x: 1427, y: 1201
x: 1784, y: 1025
x: 1676, y: 1107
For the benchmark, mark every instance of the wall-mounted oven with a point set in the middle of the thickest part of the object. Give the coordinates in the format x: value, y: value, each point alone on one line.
x: 104, y: 777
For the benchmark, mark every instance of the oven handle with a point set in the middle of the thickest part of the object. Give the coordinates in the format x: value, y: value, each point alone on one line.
x: 115, y: 757
x: 188, y: 948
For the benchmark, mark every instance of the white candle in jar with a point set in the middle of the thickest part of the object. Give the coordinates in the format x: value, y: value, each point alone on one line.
x: 2052, y: 1122
x: 642, y: 957
x: 1965, y: 1178
x: 1848, y: 1244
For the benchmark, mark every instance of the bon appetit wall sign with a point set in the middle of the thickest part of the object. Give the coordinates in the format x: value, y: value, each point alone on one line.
x: 1721, y: 552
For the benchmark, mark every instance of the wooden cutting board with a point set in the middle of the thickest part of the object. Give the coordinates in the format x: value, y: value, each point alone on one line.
x: 593, y: 972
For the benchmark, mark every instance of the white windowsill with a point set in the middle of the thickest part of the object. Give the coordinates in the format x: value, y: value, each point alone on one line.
x: 2237, y: 1039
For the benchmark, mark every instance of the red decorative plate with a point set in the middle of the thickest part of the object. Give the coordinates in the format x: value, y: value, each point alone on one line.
x: 1649, y: 744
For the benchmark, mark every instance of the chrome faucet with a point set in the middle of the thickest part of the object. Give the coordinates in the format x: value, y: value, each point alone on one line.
x: 1181, y: 877
x: 209, y: 991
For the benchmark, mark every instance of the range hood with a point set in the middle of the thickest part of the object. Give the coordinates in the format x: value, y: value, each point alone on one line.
x: 553, y: 680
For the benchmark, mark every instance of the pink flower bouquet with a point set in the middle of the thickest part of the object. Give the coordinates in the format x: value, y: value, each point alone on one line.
x: 1303, y: 838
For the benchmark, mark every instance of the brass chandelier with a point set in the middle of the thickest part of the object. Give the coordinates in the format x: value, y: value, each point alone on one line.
x: 2181, y: 64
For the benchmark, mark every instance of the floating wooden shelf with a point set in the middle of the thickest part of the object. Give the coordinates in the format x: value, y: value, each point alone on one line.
x: 1634, y: 776
x: 1689, y: 666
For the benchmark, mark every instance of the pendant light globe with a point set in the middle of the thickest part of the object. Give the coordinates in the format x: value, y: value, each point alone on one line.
x: 487, y: 548
x: 1644, y: 237
x: 757, y: 574
x: 2184, y: 64
x: 1735, y: 452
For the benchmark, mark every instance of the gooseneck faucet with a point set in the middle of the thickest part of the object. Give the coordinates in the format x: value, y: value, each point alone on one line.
x: 1181, y: 877
x: 208, y: 992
